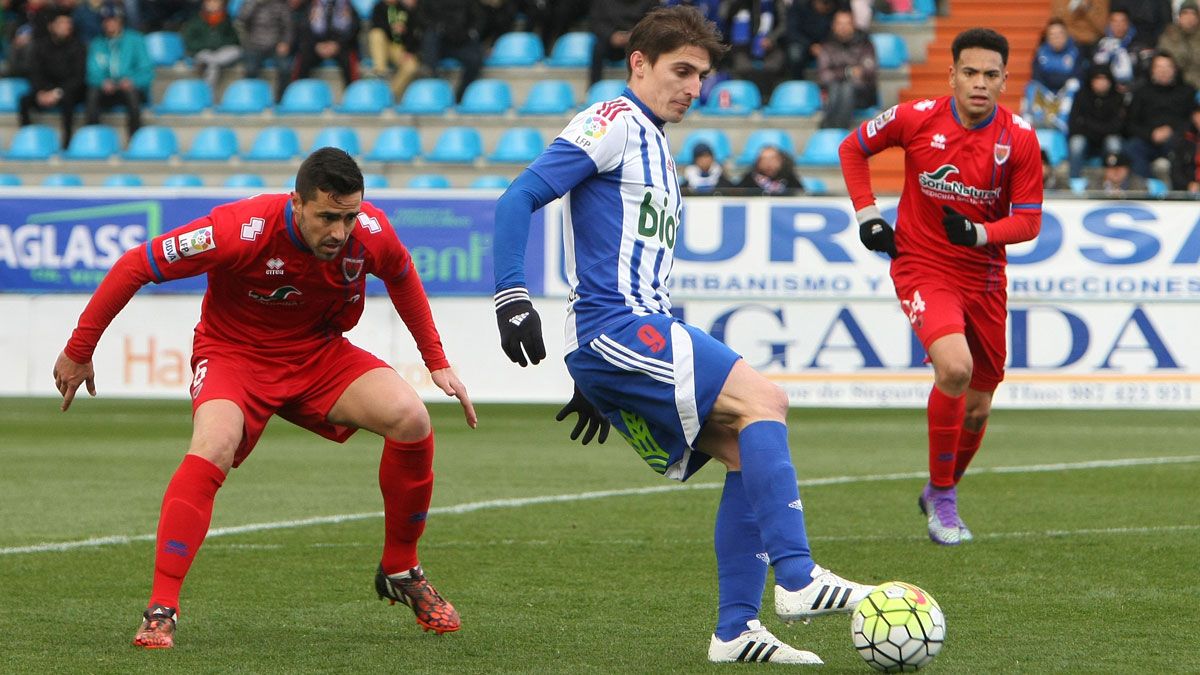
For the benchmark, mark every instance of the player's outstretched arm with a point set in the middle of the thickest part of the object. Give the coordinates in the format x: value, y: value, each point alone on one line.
x: 590, y: 418
x: 68, y: 375
x: 447, y: 381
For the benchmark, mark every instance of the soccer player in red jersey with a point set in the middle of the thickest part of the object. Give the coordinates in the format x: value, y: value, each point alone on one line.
x: 972, y: 184
x: 286, y: 277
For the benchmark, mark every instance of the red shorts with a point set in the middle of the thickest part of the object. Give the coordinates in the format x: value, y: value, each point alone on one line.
x: 937, y: 306
x: 301, y: 392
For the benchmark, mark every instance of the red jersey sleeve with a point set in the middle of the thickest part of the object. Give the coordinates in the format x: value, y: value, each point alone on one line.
x: 883, y: 131
x: 395, y: 267
x: 1024, y: 221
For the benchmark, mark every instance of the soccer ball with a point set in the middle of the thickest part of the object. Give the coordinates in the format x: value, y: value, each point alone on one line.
x: 898, y: 627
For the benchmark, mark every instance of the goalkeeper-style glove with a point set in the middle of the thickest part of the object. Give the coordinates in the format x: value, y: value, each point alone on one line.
x: 590, y: 418
x: 875, y: 232
x: 960, y: 230
x: 520, y: 326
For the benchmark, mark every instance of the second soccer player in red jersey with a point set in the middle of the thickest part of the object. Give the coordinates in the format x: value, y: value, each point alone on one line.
x: 972, y: 184
x: 286, y: 277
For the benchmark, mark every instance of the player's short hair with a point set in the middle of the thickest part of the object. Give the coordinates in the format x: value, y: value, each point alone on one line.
x: 669, y: 28
x: 980, y: 38
x: 329, y: 170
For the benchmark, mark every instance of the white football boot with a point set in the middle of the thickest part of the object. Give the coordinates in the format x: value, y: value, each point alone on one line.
x: 757, y: 645
x: 827, y: 594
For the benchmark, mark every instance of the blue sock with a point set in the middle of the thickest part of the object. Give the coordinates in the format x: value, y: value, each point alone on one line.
x: 741, y: 574
x: 770, y: 483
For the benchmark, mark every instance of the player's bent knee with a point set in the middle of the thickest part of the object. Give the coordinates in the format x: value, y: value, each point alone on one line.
x: 408, y: 424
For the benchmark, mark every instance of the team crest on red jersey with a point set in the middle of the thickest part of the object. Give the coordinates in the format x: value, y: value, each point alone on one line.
x: 1001, y: 153
x: 352, y: 268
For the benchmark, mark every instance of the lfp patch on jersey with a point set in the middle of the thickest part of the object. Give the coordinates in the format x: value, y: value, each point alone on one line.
x: 595, y: 127
x: 196, y: 241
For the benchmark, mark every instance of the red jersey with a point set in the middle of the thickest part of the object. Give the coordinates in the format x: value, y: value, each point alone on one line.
x: 267, y: 293
x: 992, y: 174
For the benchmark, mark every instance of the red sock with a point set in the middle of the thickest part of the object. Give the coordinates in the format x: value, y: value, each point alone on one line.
x: 968, y: 445
x: 186, y: 512
x: 945, y: 417
x: 406, y: 481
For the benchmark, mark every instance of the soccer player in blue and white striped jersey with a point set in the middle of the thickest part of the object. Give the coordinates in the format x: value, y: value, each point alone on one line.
x: 677, y: 395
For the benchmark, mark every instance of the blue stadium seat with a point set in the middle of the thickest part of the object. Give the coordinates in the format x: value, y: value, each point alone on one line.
x: 374, y: 180
x: 891, y: 51
x: 185, y: 97
x: 761, y: 138
x: 152, y: 144
x: 490, y: 182
x: 274, y: 144
x: 430, y: 96
x: 395, y: 144
x: 572, y: 50
x: 344, y: 138
x: 922, y: 10
x: 289, y: 183
x: 814, y: 187
x: 794, y: 97
x: 457, y: 145
x: 822, y: 148
x: 245, y: 180
x: 549, y: 97
x: 1078, y: 184
x: 35, y: 142
x: 63, y: 180
x: 11, y: 91
x: 1054, y: 143
x: 308, y: 96
x: 733, y: 97
x: 123, y: 180
x: 714, y: 138
x: 515, y: 50
x: 519, y: 145
x: 93, y: 142
x: 363, y: 7
x: 246, y: 97
x: 604, y: 90
x: 486, y: 97
x: 370, y: 96
x: 165, y: 47
x: 429, y: 181
x: 183, y: 180
x: 213, y: 144
x: 9, y: 180
x: 1156, y: 188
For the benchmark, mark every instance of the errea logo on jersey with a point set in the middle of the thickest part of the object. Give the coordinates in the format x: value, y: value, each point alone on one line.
x: 938, y: 142
x: 372, y: 224
x: 925, y: 106
x: 274, y: 266
x: 252, y: 229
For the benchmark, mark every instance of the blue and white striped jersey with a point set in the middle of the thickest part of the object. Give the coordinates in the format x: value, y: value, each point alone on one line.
x: 621, y: 213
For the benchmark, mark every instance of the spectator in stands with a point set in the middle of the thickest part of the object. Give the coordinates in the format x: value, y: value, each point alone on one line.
x: 452, y: 28
x: 211, y: 41
x: 846, y: 70
x: 1159, y: 111
x: 1182, y: 41
x: 1118, y: 49
x: 1056, y: 71
x: 119, y: 70
x: 169, y: 15
x: 330, y: 31
x: 1086, y: 21
x: 611, y: 21
x: 808, y: 25
x: 87, y: 20
x: 394, y: 42
x: 1097, y: 120
x: 704, y: 175
x: 755, y: 35
x: 56, y: 74
x: 266, y: 33
x: 1185, y: 159
x: 499, y: 17
x: 773, y: 174
x: 1149, y: 17
x: 551, y: 19
x: 1117, y: 180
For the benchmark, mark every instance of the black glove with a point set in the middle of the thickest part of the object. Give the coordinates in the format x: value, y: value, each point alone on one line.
x: 520, y: 326
x: 877, y: 235
x: 589, y: 417
x: 960, y: 230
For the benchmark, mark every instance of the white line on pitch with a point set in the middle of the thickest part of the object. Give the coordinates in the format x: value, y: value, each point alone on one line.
x: 516, y: 502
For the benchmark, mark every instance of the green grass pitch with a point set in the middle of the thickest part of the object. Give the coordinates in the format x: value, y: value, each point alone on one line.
x: 1079, y: 568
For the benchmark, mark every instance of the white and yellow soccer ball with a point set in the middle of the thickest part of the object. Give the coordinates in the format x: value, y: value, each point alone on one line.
x: 898, y: 627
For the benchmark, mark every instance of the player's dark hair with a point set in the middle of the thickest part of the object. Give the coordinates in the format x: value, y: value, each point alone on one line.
x: 328, y: 170
x: 980, y: 38
x: 666, y: 29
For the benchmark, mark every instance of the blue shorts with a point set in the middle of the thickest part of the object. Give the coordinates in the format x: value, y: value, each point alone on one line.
x: 656, y: 379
